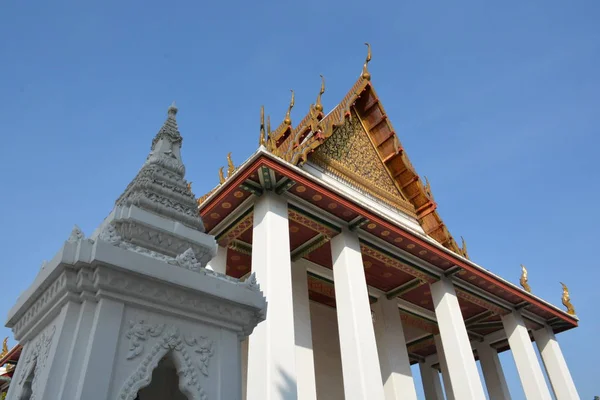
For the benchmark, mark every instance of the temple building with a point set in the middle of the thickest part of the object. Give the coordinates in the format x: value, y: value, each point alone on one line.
x: 317, y: 268
x: 362, y: 277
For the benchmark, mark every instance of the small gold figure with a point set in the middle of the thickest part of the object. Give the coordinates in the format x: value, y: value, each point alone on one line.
x: 566, y: 300
x: 319, y: 105
x: 463, y: 250
x: 261, y: 139
x: 288, y: 119
x: 189, y: 186
x: 221, y: 176
x: 523, y: 281
x: 365, y: 72
x: 4, y: 347
x: 230, y: 166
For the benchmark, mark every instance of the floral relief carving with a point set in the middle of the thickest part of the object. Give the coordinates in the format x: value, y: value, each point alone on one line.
x: 36, y: 359
x: 171, y: 340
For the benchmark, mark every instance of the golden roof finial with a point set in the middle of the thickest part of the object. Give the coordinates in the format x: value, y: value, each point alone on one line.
x: 268, y: 124
x: 463, y: 250
x: 365, y: 72
x: 230, y: 166
x: 566, y: 300
x: 221, y: 176
x: 523, y: 281
x: 288, y: 119
x: 319, y: 105
x: 261, y: 139
x: 4, y: 347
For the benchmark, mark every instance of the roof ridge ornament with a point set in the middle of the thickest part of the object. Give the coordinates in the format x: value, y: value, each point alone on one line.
x: 288, y: 119
x: 463, y: 249
x: 524, y: 279
x: 230, y: 167
x: 366, y: 75
x: 319, y: 105
x: 566, y: 300
x: 261, y: 138
x: 221, y: 176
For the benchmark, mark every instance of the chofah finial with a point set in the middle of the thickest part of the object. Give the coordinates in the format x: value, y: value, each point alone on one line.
x: 365, y: 73
x: 319, y: 105
x: 172, y: 110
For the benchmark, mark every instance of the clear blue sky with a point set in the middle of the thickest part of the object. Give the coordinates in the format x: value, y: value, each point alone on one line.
x: 498, y: 103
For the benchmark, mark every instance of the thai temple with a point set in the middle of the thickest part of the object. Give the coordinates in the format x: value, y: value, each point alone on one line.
x: 319, y: 268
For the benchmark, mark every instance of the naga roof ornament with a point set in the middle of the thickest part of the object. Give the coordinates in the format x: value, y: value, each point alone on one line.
x: 230, y: 167
x: 524, y: 279
x: 463, y: 249
x: 566, y: 300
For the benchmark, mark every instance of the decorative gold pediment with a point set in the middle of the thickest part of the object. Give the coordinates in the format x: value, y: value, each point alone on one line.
x: 350, y: 155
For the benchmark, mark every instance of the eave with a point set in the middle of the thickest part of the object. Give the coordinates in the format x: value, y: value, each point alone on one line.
x: 470, y: 277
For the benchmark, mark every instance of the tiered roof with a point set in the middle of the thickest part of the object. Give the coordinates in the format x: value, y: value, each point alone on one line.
x: 299, y: 144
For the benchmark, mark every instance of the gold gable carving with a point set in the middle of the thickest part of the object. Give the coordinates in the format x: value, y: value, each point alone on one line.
x: 350, y: 155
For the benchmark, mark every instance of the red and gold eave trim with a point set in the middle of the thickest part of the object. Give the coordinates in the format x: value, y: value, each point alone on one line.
x: 230, y: 186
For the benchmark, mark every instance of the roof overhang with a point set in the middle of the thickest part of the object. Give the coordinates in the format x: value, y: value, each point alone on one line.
x: 376, y: 227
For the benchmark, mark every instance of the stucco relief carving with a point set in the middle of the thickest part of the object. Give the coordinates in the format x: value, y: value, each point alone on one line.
x: 36, y: 359
x: 76, y: 235
x: 170, y: 340
x: 132, y: 231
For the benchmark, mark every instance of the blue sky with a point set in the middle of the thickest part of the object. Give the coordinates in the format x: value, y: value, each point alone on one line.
x: 496, y: 102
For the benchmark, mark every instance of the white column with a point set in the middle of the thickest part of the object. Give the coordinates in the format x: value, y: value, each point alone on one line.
x: 272, y: 348
x: 305, y: 364
x: 530, y: 371
x: 431, y: 382
x: 492, y: 372
x: 219, y: 262
x: 444, y: 367
x: 360, y: 363
x: 393, y: 355
x: 462, y: 370
x: 556, y: 366
x: 101, y: 351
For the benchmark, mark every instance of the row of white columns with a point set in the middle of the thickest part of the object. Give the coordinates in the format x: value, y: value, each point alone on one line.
x: 375, y: 360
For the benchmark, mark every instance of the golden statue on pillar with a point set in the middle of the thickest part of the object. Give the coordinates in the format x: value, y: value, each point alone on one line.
x: 523, y: 281
x: 566, y: 300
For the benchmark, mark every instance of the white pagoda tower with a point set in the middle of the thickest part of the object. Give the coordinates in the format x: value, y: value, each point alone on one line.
x: 131, y: 312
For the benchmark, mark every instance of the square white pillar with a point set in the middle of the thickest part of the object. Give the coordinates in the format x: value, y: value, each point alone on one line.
x: 444, y: 367
x: 462, y: 370
x: 492, y: 372
x: 530, y: 371
x: 398, y: 381
x: 360, y: 363
x: 272, y: 348
x: 305, y: 364
x: 432, y: 387
x: 219, y: 261
x: 556, y: 366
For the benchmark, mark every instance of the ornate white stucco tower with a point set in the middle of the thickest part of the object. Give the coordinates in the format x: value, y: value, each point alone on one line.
x: 131, y: 312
